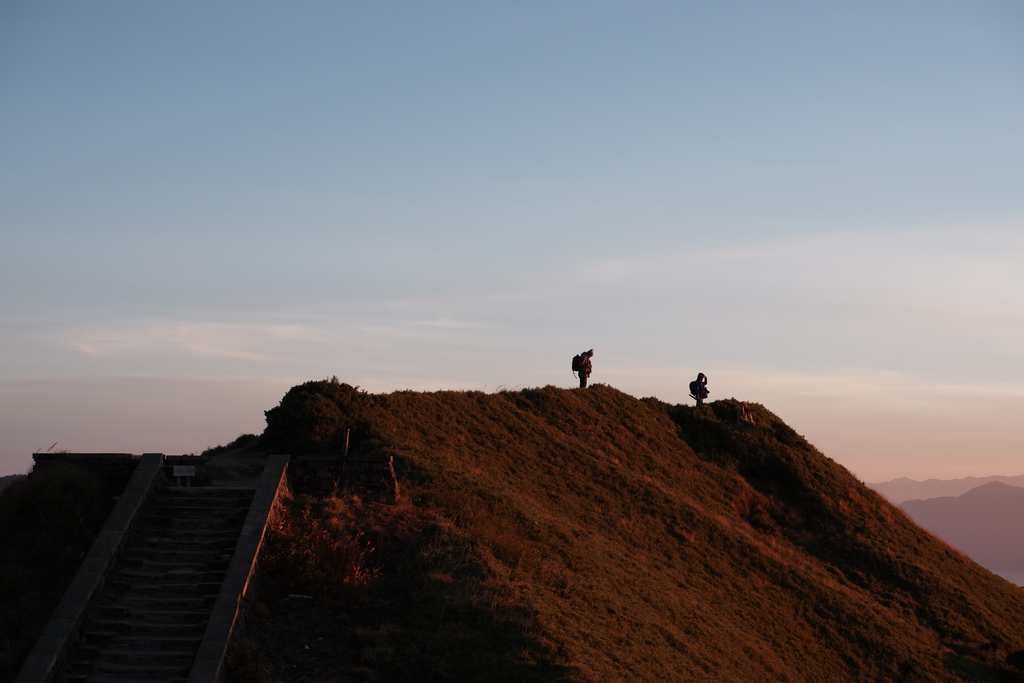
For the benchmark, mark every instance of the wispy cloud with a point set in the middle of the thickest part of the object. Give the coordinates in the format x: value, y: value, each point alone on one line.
x: 239, y: 341
x: 900, y: 391
x: 448, y: 323
x: 938, y: 296
x: 927, y: 304
x: 956, y: 263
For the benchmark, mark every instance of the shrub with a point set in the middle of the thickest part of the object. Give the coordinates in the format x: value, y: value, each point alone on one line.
x: 312, y: 418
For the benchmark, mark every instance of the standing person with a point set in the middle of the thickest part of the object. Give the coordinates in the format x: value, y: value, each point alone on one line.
x: 585, y: 367
x: 699, y: 388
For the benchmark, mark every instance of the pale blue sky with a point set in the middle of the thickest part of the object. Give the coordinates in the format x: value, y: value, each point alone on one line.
x: 817, y: 204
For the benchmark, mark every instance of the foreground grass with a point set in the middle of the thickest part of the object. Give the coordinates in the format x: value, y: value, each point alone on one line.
x: 404, y: 597
x: 553, y: 535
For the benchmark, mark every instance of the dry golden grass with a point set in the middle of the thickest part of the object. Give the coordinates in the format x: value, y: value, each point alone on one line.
x: 566, y: 535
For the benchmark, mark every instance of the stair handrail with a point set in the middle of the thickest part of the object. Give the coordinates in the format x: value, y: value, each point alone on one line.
x: 230, y: 605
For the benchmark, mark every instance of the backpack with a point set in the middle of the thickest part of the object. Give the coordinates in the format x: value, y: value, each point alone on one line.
x: 694, y: 388
x: 577, y: 362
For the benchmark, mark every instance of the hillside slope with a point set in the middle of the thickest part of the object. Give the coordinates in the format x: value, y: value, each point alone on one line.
x: 586, y: 535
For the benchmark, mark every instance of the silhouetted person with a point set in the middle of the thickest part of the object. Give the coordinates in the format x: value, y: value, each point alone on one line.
x: 699, y: 388
x: 585, y: 367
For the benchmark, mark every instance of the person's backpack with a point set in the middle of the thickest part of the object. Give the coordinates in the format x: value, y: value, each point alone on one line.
x: 694, y: 388
x: 577, y: 362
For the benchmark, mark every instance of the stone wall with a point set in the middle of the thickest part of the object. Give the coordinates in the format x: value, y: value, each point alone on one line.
x: 319, y: 475
x: 113, y: 470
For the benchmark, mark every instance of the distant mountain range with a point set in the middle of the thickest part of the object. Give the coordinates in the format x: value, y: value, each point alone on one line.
x: 899, y: 490
x: 979, y: 516
x: 983, y: 523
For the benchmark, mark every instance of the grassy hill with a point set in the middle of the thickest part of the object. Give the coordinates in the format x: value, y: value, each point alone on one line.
x: 587, y: 535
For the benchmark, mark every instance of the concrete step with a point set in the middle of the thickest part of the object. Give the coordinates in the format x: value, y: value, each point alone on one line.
x: 223, y: 540
x: 157, y: 603
x: 120, y: 678
x: 170, y: 617
x: 137, y: 568
x: 194, y: 555
x: 152, y: 585
x: 152, y: 619
x: 195, y: 509
x: 144, y: 667
x: 147, y: 582
x: 111, y: 630
x: 188, y: 542
x: 121, y: 652
x: 182, y: 525
x: 94, y: 677
x: 163, y: 588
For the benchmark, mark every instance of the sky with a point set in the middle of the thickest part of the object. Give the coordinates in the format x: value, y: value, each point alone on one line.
x: 817, y: 204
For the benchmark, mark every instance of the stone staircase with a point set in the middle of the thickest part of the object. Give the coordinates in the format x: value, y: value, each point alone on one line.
x: 149, y: 622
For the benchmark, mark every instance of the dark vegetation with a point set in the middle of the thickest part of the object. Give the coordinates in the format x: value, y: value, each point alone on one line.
x: 245, y: 441
x: 9, y: 479
x: 568, y: 535
x: 48, y: 520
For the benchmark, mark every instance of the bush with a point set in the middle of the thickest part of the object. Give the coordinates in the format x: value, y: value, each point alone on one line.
x: 312, y: 418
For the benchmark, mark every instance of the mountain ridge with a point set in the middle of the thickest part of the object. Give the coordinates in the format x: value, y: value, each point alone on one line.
x: 903, y: 488
x: 983, y: 523
x: 587, y: 535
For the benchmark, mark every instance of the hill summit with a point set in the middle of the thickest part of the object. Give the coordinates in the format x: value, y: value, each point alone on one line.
x: 586, y: 535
